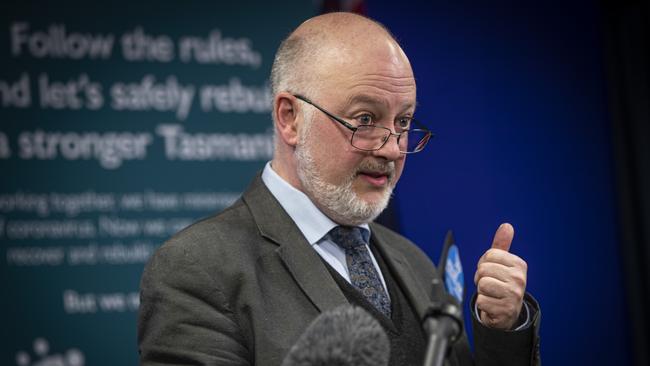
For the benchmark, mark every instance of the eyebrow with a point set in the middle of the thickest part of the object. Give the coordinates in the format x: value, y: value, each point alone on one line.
x: 362, y: 98
x: 367, y: 99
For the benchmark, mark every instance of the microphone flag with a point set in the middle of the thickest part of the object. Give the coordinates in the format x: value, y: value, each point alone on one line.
x: 452, y: 269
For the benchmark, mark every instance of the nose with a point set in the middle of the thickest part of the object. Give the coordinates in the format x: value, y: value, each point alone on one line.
x: 390, y: 150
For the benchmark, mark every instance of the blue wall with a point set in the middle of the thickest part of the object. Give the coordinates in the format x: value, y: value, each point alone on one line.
x: 517, y: 97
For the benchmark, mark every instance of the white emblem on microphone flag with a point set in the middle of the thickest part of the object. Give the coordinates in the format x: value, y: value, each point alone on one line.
x: 454, y: 280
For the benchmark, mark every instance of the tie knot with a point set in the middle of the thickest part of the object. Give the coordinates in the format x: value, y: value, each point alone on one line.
x: 348, y: 237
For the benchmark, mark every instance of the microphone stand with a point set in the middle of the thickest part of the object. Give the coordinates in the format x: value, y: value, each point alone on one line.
x: 443, y: 318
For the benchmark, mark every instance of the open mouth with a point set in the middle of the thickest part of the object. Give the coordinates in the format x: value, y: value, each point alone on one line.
x: 375, y: 178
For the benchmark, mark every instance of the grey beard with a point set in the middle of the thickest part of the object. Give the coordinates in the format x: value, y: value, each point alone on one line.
x: 340, y: 202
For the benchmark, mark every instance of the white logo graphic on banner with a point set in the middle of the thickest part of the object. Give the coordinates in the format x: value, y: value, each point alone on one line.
x: 71, y: 357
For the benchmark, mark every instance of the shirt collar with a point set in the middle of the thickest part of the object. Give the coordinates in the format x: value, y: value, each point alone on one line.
x: 313, y: 223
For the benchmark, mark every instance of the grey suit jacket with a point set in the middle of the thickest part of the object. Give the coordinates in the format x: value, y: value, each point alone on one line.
x: 239, y: 288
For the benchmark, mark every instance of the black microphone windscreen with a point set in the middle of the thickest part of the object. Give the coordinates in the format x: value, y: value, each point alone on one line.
x: 343, y: 336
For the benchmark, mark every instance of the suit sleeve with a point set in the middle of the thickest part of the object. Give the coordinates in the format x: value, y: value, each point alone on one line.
x: 184, y: 318
x: 505, y: 348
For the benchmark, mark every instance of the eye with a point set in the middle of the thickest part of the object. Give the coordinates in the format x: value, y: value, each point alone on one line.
x: 404, y: 123
x: 365, y: 119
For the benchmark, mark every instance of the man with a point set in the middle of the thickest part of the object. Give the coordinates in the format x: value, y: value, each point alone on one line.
x: 240, y: 288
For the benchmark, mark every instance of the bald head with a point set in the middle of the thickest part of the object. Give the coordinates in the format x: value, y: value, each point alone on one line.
x: 321, y: 45
x: 353, y: 67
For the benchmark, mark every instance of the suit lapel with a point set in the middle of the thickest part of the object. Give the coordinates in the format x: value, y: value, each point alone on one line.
x: 404, y: 275
x: 302, y: 261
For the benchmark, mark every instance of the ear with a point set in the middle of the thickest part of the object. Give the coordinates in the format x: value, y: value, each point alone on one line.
x: 287, y: 115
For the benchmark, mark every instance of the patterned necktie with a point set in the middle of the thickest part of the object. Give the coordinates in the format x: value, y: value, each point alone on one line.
x: 363, y: 273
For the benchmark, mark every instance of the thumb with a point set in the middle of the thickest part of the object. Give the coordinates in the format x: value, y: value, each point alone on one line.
x: 503, y: 237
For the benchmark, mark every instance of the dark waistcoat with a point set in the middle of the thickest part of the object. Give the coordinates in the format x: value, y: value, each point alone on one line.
x: 407, y: 339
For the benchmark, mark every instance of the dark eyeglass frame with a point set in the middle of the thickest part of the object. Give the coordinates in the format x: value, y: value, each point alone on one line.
x: 419, y: 147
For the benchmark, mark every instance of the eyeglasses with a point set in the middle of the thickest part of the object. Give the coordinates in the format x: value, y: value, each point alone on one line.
x: 372, y: 137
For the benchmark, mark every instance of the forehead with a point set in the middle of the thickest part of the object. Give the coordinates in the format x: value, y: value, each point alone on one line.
x: 375, y: 73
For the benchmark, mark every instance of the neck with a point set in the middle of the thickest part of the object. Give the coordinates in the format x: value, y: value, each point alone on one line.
x: 287, y: 169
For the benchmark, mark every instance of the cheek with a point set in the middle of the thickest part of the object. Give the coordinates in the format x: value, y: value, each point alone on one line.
x: 335, y: 162
x: 342, y: 165
x: 334, y: 157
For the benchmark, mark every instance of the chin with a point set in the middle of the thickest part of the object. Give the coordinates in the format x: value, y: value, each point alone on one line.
x: 375, y: 197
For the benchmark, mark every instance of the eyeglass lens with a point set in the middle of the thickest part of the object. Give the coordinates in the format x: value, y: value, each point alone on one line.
x: 373, y: 138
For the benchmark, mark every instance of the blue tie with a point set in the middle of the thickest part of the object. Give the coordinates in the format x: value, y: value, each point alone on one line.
x: 363, y: 273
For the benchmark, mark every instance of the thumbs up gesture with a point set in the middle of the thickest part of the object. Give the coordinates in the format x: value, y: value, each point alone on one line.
x: 500, y: 282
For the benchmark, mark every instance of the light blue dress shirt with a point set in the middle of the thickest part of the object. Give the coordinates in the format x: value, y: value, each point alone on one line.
x: 312, y: 223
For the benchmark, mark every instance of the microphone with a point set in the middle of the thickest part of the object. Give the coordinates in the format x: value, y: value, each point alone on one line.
x: 443, y: 319
x: 344, y: 336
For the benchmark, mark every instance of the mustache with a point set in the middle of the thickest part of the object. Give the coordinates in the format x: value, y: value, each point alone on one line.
x: 377, y: 167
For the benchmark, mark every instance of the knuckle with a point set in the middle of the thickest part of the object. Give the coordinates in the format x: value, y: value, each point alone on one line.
x: 522, y: 264
x: 519, y: 279
x: 483, y: 284
x: 477, y: 278
x: 491, y: 255
x: 519, y: 293
x: 512, y: 310
x: 516, y: 292
x: 481, y: 270
x: 479, y: 288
